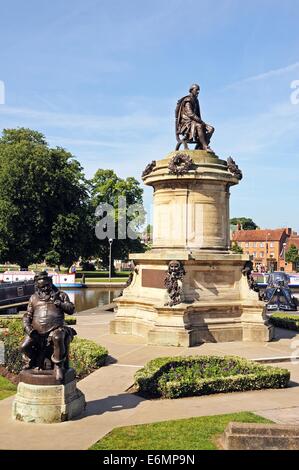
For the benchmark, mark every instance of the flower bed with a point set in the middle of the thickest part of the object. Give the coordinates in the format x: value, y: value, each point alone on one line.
x: 285, y: 320
x: 175, y: 377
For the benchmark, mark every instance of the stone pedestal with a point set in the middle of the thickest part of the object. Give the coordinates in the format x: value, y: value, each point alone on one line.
x: 38, y: 402
x: 191, y: 225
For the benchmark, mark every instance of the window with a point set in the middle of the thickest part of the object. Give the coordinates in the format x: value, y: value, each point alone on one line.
x: 254, y: 254
x: 246, y: 244
x: 262, y: 245
x: 254, y: 245
x: 262, y: 254
x: 271, y: 245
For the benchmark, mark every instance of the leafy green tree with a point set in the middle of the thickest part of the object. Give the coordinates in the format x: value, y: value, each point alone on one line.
x: 244, y: 222
x: 107, y: 188
x: 292, y: 255
x: 44, y: 201
x: 236, y: 248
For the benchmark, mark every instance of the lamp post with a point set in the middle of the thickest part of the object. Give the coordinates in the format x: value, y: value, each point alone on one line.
x: 110, y: 251
x: 284, y: 253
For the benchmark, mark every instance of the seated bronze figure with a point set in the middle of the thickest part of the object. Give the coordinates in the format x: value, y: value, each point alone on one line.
x: 190, y: 128
x: 278, y: 295
x: 47, y: 340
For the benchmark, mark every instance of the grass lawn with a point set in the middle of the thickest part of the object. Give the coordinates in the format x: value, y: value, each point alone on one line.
x: 6, y: 388
x: 183, y: 434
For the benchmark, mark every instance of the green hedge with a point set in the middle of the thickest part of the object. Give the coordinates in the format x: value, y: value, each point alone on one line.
x: 175, y: 377
x: 5, y: 321
x: 285, y: 320
x: 12, y: 339
x: 85, y: 355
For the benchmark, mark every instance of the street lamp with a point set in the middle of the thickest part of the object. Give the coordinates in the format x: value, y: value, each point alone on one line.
x: 110, y: 250
x: 284, y: 252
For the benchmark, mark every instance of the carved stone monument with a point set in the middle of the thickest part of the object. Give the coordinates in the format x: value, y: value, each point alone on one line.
x: 47, y: 391
x: 189, y: 288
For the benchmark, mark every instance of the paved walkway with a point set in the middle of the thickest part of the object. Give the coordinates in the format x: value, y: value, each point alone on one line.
x: 109, y: 405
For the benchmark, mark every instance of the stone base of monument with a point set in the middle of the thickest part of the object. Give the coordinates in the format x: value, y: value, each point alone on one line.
x: 41, y: 398
x: 191, y: 226
x: 217, y: 304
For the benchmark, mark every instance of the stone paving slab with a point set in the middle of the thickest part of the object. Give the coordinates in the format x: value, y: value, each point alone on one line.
x: 110, y: 406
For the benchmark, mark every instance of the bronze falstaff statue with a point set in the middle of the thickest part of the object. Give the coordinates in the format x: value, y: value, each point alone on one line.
x: 189, y: 127
x: 48, y: 337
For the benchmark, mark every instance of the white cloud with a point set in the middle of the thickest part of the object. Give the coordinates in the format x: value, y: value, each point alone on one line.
x: 269, y: 74
x: 111, y: 124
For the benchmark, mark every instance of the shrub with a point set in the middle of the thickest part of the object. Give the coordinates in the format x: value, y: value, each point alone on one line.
x: 174, y: 377
x: 86, y: 356
x: 87, y: 265
x: 12, y: 338
x: 285, y: 320
x: 5, y: 321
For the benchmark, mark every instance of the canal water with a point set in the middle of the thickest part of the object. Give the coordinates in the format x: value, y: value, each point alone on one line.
x: 85, y: 299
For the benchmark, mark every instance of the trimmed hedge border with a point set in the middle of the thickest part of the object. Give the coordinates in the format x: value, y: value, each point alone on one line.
x: 285, y: 320
x: 85, y: 356
x: 5, y: 321
x: 176, y: 377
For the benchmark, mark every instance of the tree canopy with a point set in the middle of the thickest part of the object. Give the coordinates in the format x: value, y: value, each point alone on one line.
x: 292, y: 255
x: 244, y: 222
x: 44, y: 201
x: 235, y: 248
x: 108, y: 188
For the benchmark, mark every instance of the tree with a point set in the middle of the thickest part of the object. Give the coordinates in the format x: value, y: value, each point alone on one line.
x: 44, y: 201
x: 107, y: 188
x: 244, y: 222
x: 292, y: 255
x: 236, y: 248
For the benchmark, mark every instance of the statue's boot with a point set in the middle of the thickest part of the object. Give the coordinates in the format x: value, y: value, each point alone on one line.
x: 59, y: 371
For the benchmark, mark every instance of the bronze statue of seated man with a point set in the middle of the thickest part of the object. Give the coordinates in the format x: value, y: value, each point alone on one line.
x: 47, y: 336
x: 189, y: 124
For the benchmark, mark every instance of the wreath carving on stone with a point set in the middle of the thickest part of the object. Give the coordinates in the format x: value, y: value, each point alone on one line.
x: 180, y: 164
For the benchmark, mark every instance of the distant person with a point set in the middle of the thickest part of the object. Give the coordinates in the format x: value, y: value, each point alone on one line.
x: 73, y: 269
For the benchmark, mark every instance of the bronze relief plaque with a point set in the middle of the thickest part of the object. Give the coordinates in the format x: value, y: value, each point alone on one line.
x: 153, y: 278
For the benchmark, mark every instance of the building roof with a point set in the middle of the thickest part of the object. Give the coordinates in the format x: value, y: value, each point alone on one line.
x: 259, y: 235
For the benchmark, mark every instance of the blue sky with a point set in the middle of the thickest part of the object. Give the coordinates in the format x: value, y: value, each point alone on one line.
x: 101, y: 78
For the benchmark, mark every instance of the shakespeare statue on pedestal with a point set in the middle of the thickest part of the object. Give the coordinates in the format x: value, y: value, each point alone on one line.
x: 190, y: 128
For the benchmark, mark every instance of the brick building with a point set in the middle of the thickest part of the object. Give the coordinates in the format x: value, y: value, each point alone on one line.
x: 267, y: 247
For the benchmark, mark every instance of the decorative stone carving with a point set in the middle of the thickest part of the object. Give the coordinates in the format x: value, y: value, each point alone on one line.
x: 180, y: 164
x: 173, y: 282
x: 149, y: 168
x: 135, y: 269
x: 233, y: 168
